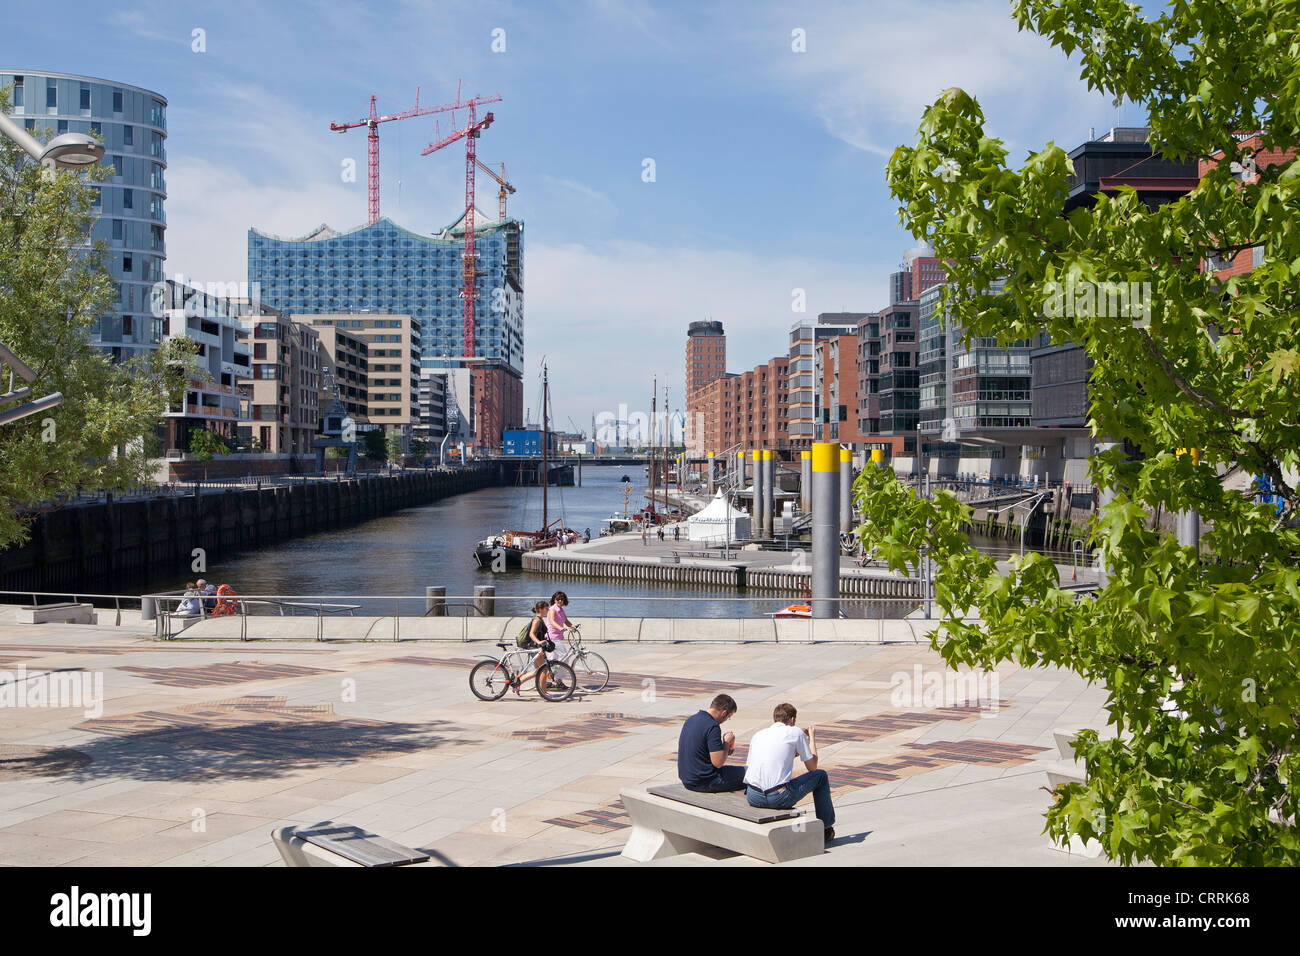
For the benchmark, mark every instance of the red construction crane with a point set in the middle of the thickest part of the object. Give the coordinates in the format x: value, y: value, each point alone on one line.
x: 372, y: 136
x: 469, y: 264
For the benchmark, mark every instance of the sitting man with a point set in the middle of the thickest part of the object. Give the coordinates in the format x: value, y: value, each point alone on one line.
x: 771, y: 758
x: 703, y: 749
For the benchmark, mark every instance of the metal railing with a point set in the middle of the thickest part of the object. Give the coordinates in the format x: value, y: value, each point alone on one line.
x: 115, y: 601
x: 611, y: 619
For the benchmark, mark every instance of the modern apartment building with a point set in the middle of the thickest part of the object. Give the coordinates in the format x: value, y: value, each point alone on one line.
x: 431, y: 425
x: 805, y: 394
x: 706, y: 354
x: 284, y: 393
x: 747, y: 410
x: 1120, y: 157
x: 393, y: 364
x: 835, y: 371
x: 384, y: 269
x: 345, y: 371
x: 213, y: 324
x: 132, y: 123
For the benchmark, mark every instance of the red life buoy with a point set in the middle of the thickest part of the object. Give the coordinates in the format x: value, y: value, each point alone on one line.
x: 224, y: 604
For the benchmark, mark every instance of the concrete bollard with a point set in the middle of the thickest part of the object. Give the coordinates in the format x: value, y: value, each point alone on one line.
x: 148, y: 608
x: 825, y: 530
x: 805, y: 481
x: 846, y: 491
x: 435, y: 602
x: 485, y: 599
x: 769, y: 493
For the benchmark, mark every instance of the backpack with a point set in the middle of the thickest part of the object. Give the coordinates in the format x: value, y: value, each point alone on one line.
x: 522, y: 640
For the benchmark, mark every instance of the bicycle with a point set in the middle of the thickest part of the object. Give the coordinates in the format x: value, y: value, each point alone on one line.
x: 490, y: 678
x: 590, y: 667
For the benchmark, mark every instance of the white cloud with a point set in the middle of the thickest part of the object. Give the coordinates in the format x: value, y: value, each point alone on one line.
x: 870, y: 71
x: 609, y: 319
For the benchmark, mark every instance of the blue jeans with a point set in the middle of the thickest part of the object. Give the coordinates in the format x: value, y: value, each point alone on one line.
x: 726, y: 779
x: 816, y: 783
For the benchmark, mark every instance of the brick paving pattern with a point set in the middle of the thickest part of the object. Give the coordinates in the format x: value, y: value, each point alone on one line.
x: 206, y: 675
x: 600, y: 726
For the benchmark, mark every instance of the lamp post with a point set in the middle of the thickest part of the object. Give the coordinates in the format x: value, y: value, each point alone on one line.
x: 68, y: 151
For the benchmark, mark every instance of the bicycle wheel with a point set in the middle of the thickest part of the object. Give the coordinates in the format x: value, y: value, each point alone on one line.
x: 489, y: 680
x: 592, y: 671
x: 555, y: 681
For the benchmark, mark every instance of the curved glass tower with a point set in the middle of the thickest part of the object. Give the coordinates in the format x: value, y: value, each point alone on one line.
x: 132, y: 123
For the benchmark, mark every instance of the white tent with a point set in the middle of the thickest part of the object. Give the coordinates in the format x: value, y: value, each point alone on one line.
x: 711, y: 524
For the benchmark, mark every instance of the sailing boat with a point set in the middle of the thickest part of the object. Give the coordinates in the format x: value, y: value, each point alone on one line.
x: 509, y: 547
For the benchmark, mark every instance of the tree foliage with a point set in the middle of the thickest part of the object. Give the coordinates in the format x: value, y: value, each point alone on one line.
x: 206, y: 444
x: 1198, y: 653
x: 53, y: 289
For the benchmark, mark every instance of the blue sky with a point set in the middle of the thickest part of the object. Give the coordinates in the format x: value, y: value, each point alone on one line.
x: 769, y: 163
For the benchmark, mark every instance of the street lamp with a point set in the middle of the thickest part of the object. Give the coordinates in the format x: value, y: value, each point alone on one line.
x: 67, y: 151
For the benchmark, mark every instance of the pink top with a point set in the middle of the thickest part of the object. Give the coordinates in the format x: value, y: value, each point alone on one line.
x: 554, y: 632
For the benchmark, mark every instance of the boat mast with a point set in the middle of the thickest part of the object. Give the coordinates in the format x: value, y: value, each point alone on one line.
x: 546, y: 440
x: 654, y: 421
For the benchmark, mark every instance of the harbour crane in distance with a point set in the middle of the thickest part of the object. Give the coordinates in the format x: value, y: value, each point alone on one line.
x: 501, y: 181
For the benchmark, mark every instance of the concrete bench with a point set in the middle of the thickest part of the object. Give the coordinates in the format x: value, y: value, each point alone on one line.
x: 339, y: 844
x: 670, y: 820
x: 64, y: 613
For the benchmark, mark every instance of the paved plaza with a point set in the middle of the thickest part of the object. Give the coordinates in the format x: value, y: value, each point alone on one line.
x: 200, y: 749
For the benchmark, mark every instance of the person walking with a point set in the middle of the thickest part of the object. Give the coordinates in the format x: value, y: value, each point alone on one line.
x: 770, y: 761
x: 703, y: 749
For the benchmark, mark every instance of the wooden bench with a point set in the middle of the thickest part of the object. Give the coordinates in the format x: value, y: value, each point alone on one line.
x: 64, y: 613
x: 339, y: 844
x: 670, y: 820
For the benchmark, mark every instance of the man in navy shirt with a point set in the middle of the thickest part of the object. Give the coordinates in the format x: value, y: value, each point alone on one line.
x: 702, y: 750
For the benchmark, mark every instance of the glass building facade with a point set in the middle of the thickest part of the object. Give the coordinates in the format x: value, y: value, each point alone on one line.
x: 132, y: 124
x: 386, y: 269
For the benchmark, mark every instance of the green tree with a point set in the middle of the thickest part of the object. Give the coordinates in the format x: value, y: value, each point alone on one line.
x: 206, y: 444
x: 393, y: 446
x: 53, y: 289
x: 374, y: 445
x: 1197, y: 651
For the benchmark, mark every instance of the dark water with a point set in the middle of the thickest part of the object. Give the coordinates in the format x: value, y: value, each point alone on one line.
x: 404, y: 552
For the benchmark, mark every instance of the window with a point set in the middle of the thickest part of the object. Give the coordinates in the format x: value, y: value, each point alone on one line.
x: 126, y: 325
x: 117, y: 229
x: 51, y: 95
x: 63, y: 127
x: 128, y: 199
x: 117, y: 101
x: 95, y: 128
x: 18, y: 92
x: 128, y: 135
x: 84, y: 103
x: 126, y: 263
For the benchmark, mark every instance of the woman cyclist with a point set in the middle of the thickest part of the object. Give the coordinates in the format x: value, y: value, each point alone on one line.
x: 556, y: 622
x: 537, y: 629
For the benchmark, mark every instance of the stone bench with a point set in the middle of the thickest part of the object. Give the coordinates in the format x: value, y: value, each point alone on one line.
x: 670, y: 820
x: 339, y: 844
x: 65, y: 613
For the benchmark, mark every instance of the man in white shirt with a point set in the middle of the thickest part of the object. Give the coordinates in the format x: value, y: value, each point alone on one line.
x: 770, y: 760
